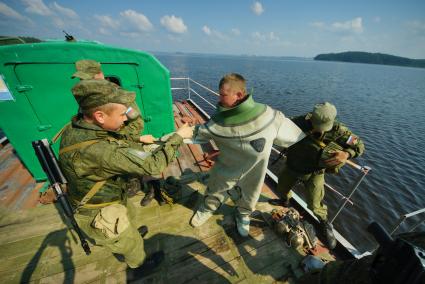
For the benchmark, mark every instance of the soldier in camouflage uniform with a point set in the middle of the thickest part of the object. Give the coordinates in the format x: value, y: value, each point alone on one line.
x: 98, y: 162
x: 327, y: 146
x: 90, y: 69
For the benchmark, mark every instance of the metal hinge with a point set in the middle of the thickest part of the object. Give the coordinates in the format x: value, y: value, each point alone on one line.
x: 44, y: 127
x: 139, y: 86
x: 23, y: 88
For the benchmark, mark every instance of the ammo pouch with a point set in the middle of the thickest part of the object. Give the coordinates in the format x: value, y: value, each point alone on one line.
x: 112, y: 220
x: 296, y: 233
x: 327, y: 153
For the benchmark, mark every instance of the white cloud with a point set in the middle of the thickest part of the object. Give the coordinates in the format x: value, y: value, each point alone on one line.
x: 130, y: 34
x: 67, y: 12
x: 351, y: 26
x: 173, y: 38
x: 214, y: 33
x: 104, y: 31
x: 236, y: 32
x: 318, y: 25
x: 37, y: 7
x: 257, y: 8
x: 107, y: 21
x: 138, y: 20
x: 355, y: 25
x: 258, y: 36
x: 173, y: 24
x: 9, y: 12
x: 206, y: 30
x: 271, y: 36
x: 58, y: 22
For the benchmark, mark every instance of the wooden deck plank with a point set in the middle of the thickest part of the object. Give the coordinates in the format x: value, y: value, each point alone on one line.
x: 36, y: 245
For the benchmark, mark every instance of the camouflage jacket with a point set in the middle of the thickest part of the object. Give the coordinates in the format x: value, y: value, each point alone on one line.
x: 305, y: 156
x: 111, y: 158
x: 134, y: 127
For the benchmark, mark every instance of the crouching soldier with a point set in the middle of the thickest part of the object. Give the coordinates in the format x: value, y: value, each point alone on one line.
x: 326, y: 148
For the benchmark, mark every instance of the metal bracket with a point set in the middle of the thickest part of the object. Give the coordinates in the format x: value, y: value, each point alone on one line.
x: 24, y: 88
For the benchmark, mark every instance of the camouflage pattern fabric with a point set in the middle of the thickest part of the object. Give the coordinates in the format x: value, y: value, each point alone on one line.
x: 93, y: 93
x: 305, y: 161
x: 111, y: 159
x: 86, y: 69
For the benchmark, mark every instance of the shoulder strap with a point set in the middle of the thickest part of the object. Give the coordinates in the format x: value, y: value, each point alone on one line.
x: 95, y: 188
x: 77, y: 146
x: 318, y: 142
x: 60, y: 132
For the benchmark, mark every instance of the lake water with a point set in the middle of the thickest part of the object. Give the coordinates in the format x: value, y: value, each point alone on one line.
x: 384, y: 105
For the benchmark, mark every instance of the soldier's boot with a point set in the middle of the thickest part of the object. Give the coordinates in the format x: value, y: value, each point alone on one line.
x: 143, y: 230
x: 200, y: 217
x: 242, y: 224
x: 149, y: 195
x: 326, y: 229
x: 151, y: 262
x: 280, y: 202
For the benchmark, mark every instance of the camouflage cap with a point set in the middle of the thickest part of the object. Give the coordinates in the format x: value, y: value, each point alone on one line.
x: 93, y: 93
x: 86, y: 69
x: 323, y: 116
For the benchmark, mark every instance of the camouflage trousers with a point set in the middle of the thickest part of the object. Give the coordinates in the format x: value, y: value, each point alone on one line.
x: 314, y: 184
x: 128, y: 243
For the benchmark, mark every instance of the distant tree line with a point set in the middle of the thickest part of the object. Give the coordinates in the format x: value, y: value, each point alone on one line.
x: 371, y: 58
x: 7, y: 40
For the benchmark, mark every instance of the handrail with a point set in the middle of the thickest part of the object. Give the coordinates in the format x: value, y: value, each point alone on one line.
x: 403, y: 218
x: 364, y: 170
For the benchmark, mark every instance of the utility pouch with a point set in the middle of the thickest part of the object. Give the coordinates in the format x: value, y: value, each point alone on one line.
x: 328, y: 152
x: 112, y: 220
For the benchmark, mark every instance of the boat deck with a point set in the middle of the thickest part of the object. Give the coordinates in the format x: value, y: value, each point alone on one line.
x: 37, y: 247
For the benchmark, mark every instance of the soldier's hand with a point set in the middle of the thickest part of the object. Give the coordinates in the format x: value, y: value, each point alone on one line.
x: 185, y: 131
x: 338, y: 158
x: 148, y: 139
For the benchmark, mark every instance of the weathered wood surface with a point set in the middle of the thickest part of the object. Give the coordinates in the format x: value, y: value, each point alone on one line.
x: 37, y: 247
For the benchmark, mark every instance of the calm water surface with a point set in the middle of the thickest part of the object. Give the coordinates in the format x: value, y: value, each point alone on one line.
x: 384, y: 105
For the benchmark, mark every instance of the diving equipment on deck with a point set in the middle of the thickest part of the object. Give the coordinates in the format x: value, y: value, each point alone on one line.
x: 297, y: 233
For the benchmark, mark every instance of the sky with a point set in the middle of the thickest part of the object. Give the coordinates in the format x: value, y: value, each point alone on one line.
x: 302, y: 28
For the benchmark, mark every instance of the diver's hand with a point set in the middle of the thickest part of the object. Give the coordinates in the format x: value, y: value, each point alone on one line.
x: 185, y: 131
x: 338, y: 158
x: 147, y: 139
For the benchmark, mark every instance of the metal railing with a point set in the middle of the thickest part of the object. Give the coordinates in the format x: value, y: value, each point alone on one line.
x: 404, y: 217
x: 363, y: 170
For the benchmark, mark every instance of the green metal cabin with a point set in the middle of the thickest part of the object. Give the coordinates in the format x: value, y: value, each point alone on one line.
x: 40, y: 103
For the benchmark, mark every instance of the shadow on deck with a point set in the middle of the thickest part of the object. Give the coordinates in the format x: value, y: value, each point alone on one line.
x: 36, y: 245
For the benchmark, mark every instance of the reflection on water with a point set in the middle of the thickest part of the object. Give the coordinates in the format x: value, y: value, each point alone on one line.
x: 384, y: 105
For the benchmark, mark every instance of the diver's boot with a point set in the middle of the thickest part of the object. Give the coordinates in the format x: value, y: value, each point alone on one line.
x: 148, y: 196
x: 242, y: 224
x: 280, y: 202
x: 200, y: 217
x: 150, y: 264
x: 326, y: 229
x: 143, y: 231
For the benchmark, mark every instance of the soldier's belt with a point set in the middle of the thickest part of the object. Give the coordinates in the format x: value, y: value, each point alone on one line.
x: 96, y: 205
